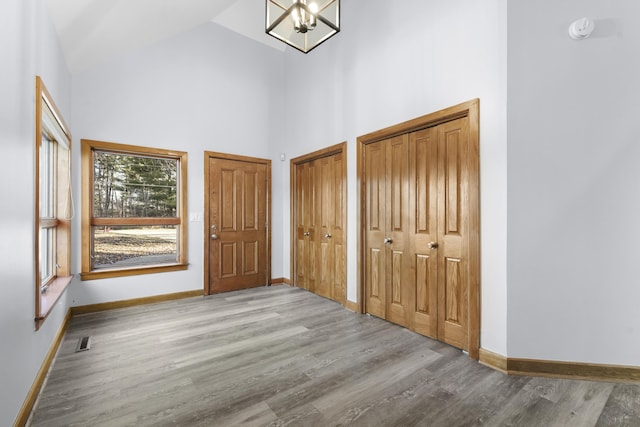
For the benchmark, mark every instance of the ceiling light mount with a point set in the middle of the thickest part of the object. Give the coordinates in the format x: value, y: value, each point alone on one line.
x: 303, y: 24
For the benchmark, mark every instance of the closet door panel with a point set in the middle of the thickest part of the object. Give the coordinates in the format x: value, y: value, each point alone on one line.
x: 423, y: 205
x: 398, y: 261
x: 338, y: 230
x: 375, y: 228
x: 452, y: 230
x: 324, y: 225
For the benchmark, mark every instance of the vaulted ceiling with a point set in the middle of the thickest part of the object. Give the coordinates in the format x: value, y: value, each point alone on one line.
x: 94, y: 31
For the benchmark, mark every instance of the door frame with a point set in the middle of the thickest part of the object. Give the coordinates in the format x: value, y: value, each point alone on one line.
x: 340, y: 148
x: 471, y: 111
x: 208, y: 155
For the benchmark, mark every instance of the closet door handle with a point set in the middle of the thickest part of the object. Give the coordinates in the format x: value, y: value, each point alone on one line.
x: 388, y: 240
x: 328, y: 236
x: 432, y: 245
x: 306, y: 234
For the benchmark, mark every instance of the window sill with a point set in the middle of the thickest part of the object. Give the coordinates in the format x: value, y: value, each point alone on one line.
x: 49, y: 299
x: 104, y: 274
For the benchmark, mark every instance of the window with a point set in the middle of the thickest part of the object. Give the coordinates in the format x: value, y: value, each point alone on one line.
x: 133, y: 210
x: 53, y: 203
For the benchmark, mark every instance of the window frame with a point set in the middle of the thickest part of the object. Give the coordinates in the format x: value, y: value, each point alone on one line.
x: 55, y: 159
x: 88, y: 221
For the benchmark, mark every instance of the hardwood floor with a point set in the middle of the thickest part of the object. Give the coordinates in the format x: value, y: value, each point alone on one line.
x: 282, y: 356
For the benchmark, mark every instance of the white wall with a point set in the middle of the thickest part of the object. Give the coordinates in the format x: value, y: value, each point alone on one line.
x: 573, y: 200
x: 390, y: 64
x: 209, y: 89
x: 29, y: 46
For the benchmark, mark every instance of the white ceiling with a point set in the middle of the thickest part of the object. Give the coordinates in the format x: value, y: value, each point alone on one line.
x: 94, y: 31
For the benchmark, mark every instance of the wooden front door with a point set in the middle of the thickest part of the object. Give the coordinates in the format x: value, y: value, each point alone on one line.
x: 237, y: 223
x: 319, y: 214
x: 420, y: 247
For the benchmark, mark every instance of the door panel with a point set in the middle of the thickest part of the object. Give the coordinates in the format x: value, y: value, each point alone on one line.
x: 238, y: 218
x: 452, y: 227
x: 324, y: 197
x: 302, y: 222
x: 375, y: 207
x: 423, y: 205
x: 397, y: 222
x: 338, y: 233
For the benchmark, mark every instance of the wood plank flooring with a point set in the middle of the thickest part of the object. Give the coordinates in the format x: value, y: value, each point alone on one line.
x: 281, y: 356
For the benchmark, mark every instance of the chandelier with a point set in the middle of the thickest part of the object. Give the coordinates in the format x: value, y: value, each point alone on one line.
x: 305, y: 23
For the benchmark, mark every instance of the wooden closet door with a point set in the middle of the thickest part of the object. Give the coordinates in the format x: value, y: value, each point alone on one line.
x: 338, y: 231
x: 324, y: 243
x: 398, y: 263
x: 374, y: 183
x: 305, y: 230
x: 388, y: 281
x: 320, y: 257
x: 424, y: 229
x: 440, y: 234
x: 454, y: 165
x: 424, y: 202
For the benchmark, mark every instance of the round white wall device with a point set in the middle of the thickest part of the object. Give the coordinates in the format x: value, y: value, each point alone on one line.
x: 581, y: 29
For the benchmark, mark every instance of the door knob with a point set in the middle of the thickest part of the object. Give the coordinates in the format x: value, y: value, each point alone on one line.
x: 306, y: 234
x: 327, y: 236
x: 432, y: 245
x: 214, y: 236
x: 388, y: 240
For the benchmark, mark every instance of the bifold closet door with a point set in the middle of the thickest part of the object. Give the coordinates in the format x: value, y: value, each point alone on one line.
x: 330, y: 238
x: 440, y: 231
x: 424, y: 228
x: 417, y: 231
x: 320, y: 230
x: 305, y: 226
x: 388, y: 281
x: 453, y: 252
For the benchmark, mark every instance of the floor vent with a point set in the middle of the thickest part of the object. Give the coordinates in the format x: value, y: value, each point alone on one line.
x: 84, y: 344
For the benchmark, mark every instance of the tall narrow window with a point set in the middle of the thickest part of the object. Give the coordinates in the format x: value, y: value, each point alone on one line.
x: 134, y: 209
x: 53, y: 203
